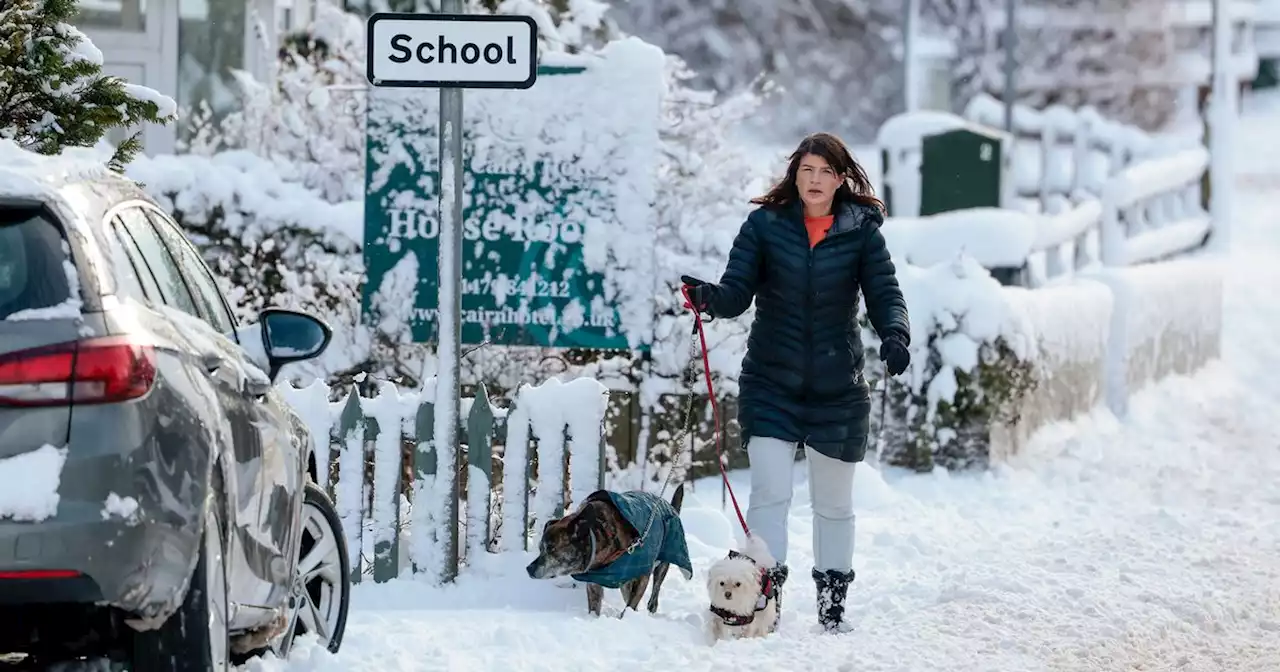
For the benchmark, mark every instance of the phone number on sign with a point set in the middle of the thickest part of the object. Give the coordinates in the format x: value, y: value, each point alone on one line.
x: 529, y: 287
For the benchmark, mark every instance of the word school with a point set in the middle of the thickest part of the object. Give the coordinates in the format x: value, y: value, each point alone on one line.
x: 447, y: 52
x: 484, y: 51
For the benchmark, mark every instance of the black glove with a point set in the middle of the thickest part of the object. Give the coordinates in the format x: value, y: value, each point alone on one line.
x: 699, y: 293
x: 895, y: 355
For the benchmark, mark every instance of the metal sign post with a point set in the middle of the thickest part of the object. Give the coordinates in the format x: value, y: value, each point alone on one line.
x: 1223, y: 115
x: 451, y: 51
x: 1010, y: 61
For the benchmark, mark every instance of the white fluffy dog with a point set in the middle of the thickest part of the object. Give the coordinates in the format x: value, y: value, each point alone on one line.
x: 740, y: 606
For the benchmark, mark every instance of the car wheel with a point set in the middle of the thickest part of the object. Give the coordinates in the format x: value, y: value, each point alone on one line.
x: 322, y: 587
x: 194, y: 638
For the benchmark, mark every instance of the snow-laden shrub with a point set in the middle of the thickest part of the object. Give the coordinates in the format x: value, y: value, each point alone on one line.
x: 973, y: 358
x: 272, y: 242
x: 310, y: 124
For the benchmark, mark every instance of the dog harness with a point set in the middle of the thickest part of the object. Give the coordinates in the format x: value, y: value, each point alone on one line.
x: 766, y: 589
x: 664, y: 541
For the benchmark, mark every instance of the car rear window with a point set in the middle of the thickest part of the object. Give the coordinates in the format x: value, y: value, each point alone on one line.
x: 32, y: 274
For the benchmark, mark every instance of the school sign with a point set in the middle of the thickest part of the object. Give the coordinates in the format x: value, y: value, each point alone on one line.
x: 548, y: 196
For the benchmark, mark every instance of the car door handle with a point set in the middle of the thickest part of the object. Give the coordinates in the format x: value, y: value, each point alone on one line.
x: 212, y: 362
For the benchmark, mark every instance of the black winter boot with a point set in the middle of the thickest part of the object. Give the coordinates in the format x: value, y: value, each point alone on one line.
x: 777, y: 576
x: 833, y: 588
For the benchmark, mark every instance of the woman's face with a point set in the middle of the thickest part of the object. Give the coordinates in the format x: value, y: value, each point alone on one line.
x: 817, y: 182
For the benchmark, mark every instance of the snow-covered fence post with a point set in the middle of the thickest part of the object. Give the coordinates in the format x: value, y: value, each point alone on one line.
x: 385, y: 414
x: 479, y: 473
x: 516, y: 468
x: 1082, y: 151
x: 587, y: 406
x: 1048, y: 143
x: 349, y: 492
x: 1111, y: 235
x: 311, y: 403
x: 433, y: 552
x: 565, y: 422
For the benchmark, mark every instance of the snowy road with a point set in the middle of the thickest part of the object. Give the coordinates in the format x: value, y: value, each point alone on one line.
x: 1152, y: 544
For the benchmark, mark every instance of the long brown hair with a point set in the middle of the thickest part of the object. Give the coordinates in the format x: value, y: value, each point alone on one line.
x: 855, y: 187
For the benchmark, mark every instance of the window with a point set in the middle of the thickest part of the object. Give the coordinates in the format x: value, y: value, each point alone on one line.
x: 173, y: 289
x: 211, y: 47
x: 123, y: 266
x: 33, y: 271
x: 134, y: 260
x: 203, y: 287
x: 126, y: 15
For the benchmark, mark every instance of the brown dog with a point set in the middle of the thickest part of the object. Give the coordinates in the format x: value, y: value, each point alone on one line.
x: 616, y: 540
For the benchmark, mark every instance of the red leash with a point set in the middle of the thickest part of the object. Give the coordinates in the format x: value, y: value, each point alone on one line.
x: 715, y: 406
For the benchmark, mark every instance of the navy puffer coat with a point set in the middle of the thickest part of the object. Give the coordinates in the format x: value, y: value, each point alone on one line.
x: 802, y: 376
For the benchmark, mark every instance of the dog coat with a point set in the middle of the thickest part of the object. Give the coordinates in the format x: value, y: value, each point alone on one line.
x: 665, y: 541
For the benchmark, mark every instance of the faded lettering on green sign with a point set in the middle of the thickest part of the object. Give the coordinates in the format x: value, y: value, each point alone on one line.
x: 553, y: 192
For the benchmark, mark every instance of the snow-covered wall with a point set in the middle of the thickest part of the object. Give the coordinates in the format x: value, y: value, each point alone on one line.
x: 1071, y: 324
x: 993, y: 364
x: 1167, y: 320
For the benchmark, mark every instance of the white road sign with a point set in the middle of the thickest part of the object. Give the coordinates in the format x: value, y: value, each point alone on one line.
x: 474, y: 51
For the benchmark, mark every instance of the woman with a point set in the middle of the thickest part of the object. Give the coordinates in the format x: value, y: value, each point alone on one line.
x: 804, y: 255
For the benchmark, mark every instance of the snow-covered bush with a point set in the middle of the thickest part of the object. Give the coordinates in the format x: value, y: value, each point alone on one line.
x: 704, y: 183
x: 54, y: 92
x: 973, y: 359
x: 310, y: 124
x: 273, y: 243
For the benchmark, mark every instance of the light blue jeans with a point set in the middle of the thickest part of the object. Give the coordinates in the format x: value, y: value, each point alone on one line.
x: 830, y: 495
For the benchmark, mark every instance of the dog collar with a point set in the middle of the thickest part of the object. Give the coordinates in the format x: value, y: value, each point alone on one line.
x: 591, y: 559
x: 731, y: 618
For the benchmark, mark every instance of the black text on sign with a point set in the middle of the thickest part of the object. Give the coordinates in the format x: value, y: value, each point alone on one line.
x: 452, y: 50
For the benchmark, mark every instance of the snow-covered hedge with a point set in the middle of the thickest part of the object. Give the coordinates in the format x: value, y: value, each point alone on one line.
x: 973, y: 355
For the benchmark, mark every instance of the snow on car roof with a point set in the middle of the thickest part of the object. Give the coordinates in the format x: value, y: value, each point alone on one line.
x: 26, y: 174
x: 29, y: 176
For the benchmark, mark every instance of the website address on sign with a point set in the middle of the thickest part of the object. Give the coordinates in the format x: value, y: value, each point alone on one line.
x: 516, y: 316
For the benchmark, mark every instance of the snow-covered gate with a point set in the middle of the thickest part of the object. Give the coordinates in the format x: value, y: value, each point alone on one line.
x: 410, y: 505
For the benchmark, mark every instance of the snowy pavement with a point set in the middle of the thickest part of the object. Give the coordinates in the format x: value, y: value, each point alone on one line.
x: 1151, y: 544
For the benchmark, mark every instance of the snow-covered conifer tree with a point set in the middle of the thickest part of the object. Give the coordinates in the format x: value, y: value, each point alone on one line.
x: 53, y: 93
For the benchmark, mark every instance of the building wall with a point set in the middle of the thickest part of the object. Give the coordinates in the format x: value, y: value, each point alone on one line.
x: 187, y: 49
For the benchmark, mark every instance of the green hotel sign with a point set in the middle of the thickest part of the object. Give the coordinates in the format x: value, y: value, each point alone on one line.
x: 530, y: 210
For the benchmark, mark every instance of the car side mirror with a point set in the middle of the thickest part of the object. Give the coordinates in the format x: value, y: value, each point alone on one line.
x: 290, y: 336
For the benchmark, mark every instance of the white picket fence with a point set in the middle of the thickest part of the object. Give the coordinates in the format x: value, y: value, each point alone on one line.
x: 1084, y: 192
x: 410, y: 504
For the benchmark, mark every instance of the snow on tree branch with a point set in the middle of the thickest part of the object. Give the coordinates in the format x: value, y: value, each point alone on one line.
x: 53, y: 93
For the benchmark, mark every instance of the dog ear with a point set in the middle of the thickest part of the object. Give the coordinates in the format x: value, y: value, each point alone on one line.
x: 580, y: 528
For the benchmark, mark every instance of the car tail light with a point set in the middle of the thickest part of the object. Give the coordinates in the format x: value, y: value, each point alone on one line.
x: 92, y: 371
x: 40, y: 574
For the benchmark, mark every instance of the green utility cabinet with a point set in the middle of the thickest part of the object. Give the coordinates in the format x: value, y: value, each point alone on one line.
x: 963, y: 168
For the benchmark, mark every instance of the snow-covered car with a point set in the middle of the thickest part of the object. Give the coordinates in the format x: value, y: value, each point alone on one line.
x: 158, y: 498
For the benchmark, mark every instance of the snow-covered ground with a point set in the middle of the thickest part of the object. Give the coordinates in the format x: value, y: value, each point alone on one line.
x: 1149, y: 544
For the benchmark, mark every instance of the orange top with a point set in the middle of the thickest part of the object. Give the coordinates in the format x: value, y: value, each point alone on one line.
x: 817, y: 227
